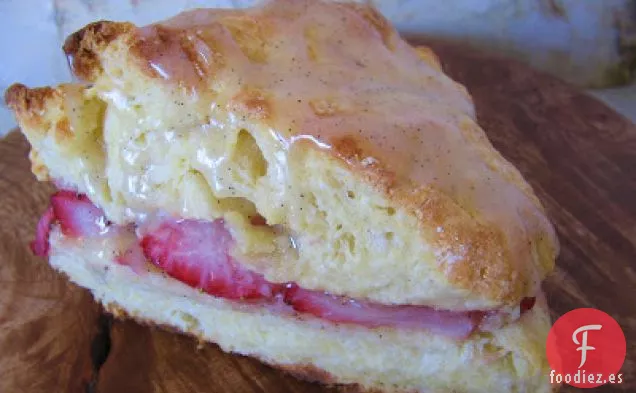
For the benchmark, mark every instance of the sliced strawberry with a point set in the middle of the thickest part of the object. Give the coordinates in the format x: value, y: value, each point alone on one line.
x: 197, y: 253
x: 40, y: 246
x: 527, y: 303
x: 344, y: 310
x: 77, y: 215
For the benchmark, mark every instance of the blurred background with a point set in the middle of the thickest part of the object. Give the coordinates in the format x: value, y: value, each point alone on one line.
x: 589, y: 43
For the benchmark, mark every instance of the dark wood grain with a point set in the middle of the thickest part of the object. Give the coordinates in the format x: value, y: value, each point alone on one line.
x: 167, y: 362
x: 579, y: 155
x: 47, y: 325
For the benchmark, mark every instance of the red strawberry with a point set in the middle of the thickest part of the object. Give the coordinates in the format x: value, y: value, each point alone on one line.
x: 197, y: 253
x: 77, y: 215
x: 40, y: 246
x: 344, y: 310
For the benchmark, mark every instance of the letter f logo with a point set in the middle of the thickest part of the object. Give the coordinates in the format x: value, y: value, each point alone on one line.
x: 570, y: 341
x: 583, y: 344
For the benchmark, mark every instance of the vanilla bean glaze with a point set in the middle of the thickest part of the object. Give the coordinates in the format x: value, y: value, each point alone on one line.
x: 341, y: 76
x: 316, y: 117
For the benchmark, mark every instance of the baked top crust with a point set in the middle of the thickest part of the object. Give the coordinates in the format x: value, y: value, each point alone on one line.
x: 326, y: 86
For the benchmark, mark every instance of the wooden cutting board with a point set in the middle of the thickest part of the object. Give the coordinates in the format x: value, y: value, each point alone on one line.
x: 579, y: 155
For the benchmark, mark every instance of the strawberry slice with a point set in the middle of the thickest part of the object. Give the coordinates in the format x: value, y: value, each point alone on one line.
x: 197, y: 253
x: 77, y: 215
x: 345, y: 310
x: 40, y: 246
x: 527, y: 303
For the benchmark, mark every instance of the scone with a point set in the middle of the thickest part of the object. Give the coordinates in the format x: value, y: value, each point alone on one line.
x: 296, y: 183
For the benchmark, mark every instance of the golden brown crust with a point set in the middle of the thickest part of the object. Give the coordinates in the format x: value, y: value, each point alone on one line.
x: 427, y: 54
x: 252, y: 103
x: 38, y: 168
x: 483, y: 268
x: 83, y: 47
x: 379, y: 22
x: 250, y: 34
x: 29, y: 104
x: 42, y: 111
x: 55, y: 121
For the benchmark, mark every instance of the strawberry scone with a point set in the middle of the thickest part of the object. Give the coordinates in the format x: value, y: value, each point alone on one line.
x: 296, y: 183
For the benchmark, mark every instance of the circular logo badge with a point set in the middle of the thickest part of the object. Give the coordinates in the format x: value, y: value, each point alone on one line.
x: 586, y: 348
